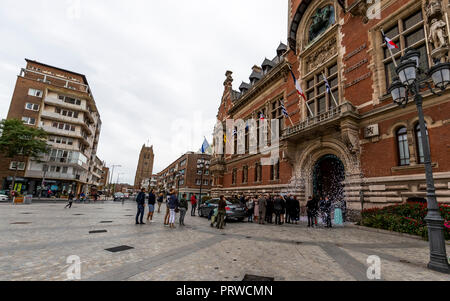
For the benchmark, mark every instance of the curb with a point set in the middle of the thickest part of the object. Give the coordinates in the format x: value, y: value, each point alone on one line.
x: 447, y: 242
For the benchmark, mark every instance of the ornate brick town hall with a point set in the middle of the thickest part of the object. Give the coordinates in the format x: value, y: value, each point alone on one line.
x: 352, y: 142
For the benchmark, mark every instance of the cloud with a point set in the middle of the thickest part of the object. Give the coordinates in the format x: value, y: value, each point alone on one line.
x: 156, y: 68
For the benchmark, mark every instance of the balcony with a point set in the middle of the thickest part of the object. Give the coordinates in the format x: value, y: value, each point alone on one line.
x: 330, y: 120
x: 54, y: 80
x: 50, y: 175
x: 57, y: 102
x: 76, y: 134
x: 58, y: 117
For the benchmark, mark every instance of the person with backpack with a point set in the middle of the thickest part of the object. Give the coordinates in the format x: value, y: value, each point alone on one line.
x: 183, y: 206
x: 151, y: 205
x: 140, y: 200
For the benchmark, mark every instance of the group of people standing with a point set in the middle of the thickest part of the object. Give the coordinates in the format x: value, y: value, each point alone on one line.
x: 173, y: 206
x: 323, y: 206
x: 263, y: 209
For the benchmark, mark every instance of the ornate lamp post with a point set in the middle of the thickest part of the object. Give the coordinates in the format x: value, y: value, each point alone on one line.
x: 202, y: 165
x: 405, y: 86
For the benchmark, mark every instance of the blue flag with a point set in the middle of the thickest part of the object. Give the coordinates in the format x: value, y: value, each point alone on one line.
x: 205, y: 146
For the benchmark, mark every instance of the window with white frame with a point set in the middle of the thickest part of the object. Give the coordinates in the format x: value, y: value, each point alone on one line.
x: 29, y: 120
x: 32, y: 106
x: 35, y: 92
x: 17, y: 165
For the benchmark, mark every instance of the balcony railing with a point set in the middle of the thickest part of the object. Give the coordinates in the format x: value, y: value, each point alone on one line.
x: 54, y: 80
x: 334, y: 114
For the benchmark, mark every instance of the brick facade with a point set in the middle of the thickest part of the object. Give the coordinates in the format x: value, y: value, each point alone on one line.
x: 187, y: 181
x: 350, y: 51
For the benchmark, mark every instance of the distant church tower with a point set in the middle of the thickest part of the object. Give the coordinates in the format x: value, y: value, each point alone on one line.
x: 145, y: 166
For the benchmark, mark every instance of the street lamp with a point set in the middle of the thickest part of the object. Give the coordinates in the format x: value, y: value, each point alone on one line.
x: 201, y: 165
x: 407, y: 84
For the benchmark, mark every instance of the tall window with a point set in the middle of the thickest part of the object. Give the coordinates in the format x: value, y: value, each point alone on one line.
x: 234, y: 176
x: 275, y: 171
x: 419, y: 145
x: 245, y: 175
x: 406, y: 33
x: 277, y: 113
x: 403, y: 148
x: 258, y: 172
x: 319, y: 100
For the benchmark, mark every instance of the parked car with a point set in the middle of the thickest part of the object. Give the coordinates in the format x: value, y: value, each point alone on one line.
x: 234, y: 211
x: 119, y: 197
x: 4, y: 198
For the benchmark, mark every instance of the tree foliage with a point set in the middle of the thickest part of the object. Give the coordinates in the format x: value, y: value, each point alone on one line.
x: 18, y: 139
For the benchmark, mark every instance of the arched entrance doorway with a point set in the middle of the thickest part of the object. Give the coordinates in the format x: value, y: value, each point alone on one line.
x: 328, y: 178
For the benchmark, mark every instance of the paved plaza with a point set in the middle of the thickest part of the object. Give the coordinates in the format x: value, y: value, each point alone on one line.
x: 37, y: 240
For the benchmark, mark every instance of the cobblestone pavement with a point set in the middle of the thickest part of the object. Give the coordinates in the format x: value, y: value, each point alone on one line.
x: 37, y: 240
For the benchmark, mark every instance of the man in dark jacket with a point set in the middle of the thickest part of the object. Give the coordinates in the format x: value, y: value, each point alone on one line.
x: 327, y: 206
x: 183, y: 206
x: 269, y: 209
x: 140, y: 200
x: 278, y: 208
x: 262, y: 201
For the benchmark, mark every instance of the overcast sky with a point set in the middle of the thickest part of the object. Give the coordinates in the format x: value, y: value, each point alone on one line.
x: 156, y: 67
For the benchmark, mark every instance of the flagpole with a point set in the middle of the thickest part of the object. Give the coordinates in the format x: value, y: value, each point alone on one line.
x: 306, y: 102
x: 390, y: 50
x: 331, y: 92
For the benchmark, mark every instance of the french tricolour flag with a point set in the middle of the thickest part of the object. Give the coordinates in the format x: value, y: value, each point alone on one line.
x: 298, y: 87
x: 389, y: 42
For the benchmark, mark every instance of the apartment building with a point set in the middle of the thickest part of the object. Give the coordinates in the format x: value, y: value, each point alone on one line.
x: 60, y: 102
x: 189, y: 174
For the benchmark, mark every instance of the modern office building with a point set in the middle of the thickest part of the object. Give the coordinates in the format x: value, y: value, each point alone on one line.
x: 60, y: 102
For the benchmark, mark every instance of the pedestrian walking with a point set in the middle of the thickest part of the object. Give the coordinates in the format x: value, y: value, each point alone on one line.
x: 160, y: 201
x: 310, y: 207
x: 183, y: 206
x: 140, y: 200
x: 221, y: 213
x: 262, y: 203
x: 151, y: 205
x: 71, y: 196
x: 250, y: 210
x: 172, y: 204
x: 193, y: 204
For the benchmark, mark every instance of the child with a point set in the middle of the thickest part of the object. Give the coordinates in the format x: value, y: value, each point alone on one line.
x: 213, y: 216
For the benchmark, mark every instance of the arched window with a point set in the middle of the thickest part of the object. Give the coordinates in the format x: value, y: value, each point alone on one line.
x: 419, y: 144
x: 403, y: 148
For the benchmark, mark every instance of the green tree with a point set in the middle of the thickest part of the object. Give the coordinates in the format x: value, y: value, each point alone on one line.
x: 18, y: 140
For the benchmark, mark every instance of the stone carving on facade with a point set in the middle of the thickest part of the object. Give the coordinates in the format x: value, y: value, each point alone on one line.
x: 321, y: 20
x: 324, y: 53
x: 360, y: 8
x: 437, y: 28
x: 350, y: 136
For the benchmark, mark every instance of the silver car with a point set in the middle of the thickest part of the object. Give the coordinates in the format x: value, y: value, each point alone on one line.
x: 234, y: 211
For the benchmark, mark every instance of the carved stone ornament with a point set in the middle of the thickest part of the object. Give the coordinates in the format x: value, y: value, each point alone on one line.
x: 360, y: 8
x: 350, y: 136
x: 322, y: 54
x: 321, y: 20
x: 437, y: 28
